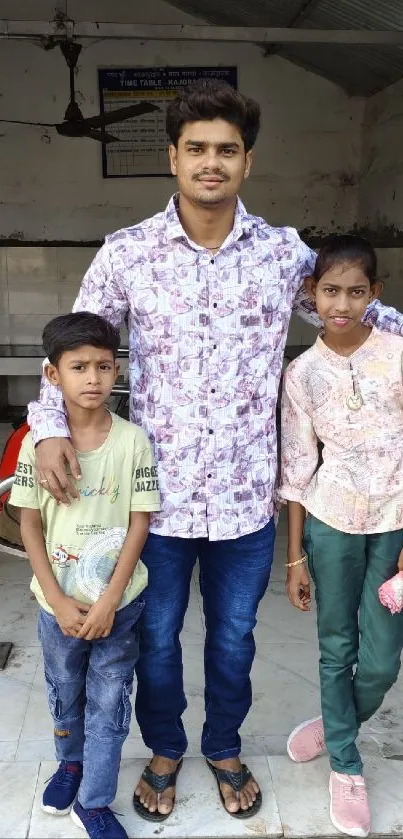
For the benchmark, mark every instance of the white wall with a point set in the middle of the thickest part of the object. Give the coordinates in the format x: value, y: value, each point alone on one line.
x: 307, y: 156
x: 381, y: 194
x: 380, y: 208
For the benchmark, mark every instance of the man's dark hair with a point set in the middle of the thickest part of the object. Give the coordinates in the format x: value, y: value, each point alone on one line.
x: 68, y: 332
x: 209, y: 99
x: 345, y: 248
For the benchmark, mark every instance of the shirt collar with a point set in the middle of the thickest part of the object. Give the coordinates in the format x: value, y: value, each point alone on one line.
x: 243, y: 222
x: 346, y: 361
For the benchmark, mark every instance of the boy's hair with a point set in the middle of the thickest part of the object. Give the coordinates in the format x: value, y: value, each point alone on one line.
x: 343, y: 248
x: 68, y: 332
x: 209, y: 99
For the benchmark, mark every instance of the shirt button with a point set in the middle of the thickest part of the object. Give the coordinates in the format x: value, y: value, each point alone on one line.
x: 215, y: 305
x: 210, y: 431
x: 214, y: 346
x: 212, y: 261
x: 213, y: 390
x: 209, y: 475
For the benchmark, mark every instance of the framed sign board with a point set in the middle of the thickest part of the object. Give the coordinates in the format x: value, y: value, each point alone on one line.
x: 142, y: 146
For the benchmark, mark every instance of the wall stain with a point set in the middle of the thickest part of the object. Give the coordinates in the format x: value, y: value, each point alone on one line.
x: 382, y: 236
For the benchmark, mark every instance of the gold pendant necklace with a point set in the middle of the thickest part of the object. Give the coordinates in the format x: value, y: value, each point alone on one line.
x: 354, y: 401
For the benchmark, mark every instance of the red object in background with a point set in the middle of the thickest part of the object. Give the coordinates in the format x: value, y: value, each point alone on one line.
x: 8, y: 463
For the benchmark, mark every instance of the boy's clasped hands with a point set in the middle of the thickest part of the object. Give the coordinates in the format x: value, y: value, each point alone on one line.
x: 83, y: 620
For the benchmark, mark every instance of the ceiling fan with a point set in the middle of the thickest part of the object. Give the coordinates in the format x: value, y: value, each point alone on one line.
x: 74, y: 123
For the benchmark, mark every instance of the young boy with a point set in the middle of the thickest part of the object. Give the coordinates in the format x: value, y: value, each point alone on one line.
x: 88, y: 577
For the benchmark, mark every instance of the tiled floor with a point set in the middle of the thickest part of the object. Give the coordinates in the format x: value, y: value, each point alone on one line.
x: 285, y: 682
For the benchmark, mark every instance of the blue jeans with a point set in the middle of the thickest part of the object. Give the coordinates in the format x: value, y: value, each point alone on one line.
x: 234, y: 575
x: 89, y: 685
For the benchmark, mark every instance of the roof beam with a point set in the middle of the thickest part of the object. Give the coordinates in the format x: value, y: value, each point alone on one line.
x: 179, y: 32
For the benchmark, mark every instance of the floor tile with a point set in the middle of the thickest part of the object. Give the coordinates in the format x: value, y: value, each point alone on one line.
x: 18, y: 782
x: 14, y: 570
x: 193, y: 627
x: 385, y: 785
x: 198, y: 812
x: 280, y: 673
x: 14, y: 697
x: 285, y: 688
x: 269, y: 744
x: 44, y: 749
x: 22, y: 664
x: 278, y: 621
x: 8, y: 750
x: 44, y: 825
x: 19, y: 612
x: 135, y: 748
x: 38, y: 723
x: 381, y: 744
x: 389, y: 719
x: 193, y: 668
x: 30, y: 750
x: 302, y: 797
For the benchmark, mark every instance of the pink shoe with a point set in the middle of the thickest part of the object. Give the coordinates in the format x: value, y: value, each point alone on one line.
x: 349, y: 808
x: 306, y: 741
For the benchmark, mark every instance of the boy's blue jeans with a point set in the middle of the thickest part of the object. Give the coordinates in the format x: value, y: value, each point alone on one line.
x: 234, y: 574
x: 89, y: 685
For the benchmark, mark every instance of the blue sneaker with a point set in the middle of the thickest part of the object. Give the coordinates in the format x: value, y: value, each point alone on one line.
x: 100, y: 822
x: 63, y: 788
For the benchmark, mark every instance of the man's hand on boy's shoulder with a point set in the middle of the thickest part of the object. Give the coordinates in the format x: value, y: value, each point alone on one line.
x: 99, y: 619
x: 70, y: 614
x: 52, y: 456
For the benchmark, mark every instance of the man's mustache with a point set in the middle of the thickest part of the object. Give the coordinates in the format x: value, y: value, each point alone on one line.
x: 214, y: 172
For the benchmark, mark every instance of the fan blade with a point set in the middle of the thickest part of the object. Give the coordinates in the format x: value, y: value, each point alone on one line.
x: 102, y: 136
x: 22, y: 122
x: 81, y: 129
x: 121, y: 114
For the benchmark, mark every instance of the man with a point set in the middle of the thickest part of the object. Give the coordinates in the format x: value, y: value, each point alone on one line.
x: 208, y: 291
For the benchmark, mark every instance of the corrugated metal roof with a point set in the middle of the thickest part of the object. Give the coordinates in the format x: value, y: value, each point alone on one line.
x: 361, y: 70
x: 239, y: 12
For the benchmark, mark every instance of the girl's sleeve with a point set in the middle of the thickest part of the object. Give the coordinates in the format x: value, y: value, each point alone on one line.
x: 299, y: 443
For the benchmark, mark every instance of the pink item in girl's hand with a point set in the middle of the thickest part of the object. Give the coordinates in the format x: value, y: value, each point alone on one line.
x: 391, y: 593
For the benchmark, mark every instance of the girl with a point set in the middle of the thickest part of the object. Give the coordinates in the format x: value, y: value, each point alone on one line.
x: 346, y: 393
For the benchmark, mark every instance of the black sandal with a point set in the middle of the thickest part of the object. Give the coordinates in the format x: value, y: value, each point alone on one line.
x: 236, y: 780
x: 159, y: 783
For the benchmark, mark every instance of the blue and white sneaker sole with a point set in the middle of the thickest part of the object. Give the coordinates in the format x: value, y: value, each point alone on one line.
x: 77, y: 821
x: 47, y: 808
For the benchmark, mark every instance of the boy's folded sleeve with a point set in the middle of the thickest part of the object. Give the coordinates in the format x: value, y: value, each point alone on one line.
x: 145, y: 485
x: 299, y: 443
x: 24, y: 492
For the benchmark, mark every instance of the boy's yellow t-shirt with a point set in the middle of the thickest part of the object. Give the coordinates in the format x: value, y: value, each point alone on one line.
x: 84, y: 540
